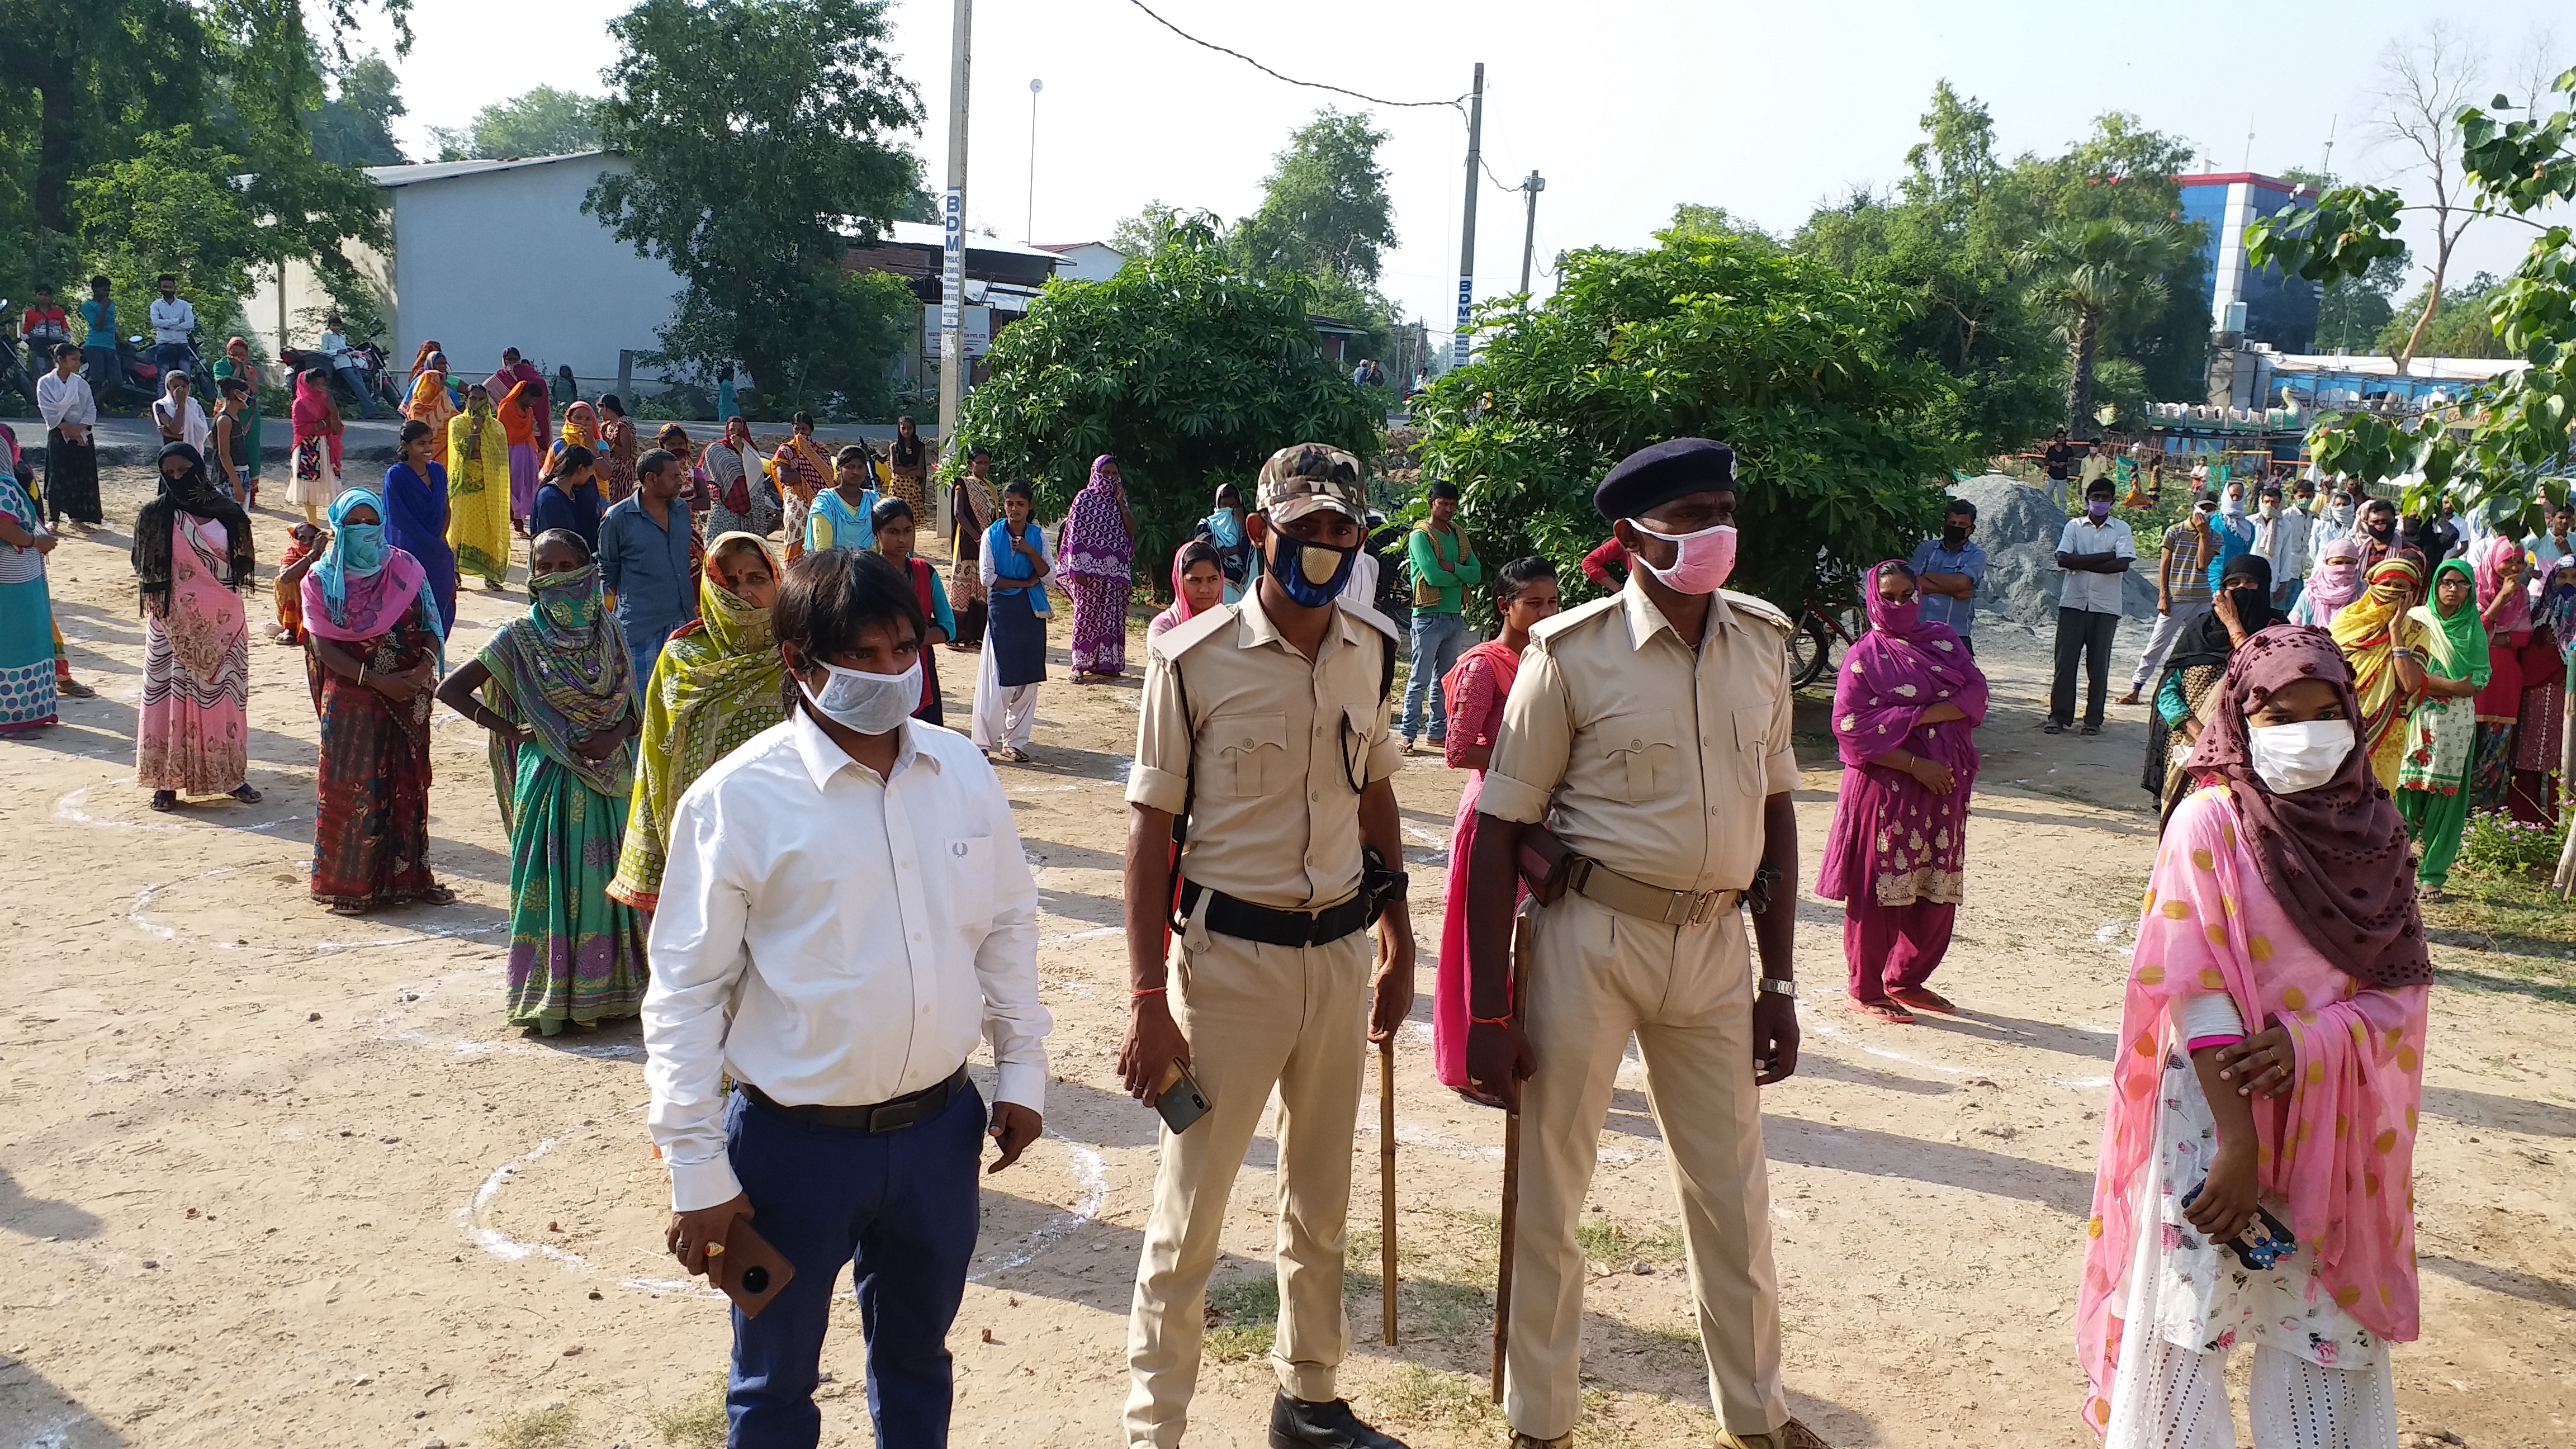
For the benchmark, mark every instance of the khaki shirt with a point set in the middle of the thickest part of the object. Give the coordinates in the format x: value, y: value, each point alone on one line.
x: 1648, y: 757
x: 1276, y: 741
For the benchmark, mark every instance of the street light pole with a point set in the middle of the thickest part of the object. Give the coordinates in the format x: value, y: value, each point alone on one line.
x: 1529, y: 235
x: 952, y: 220
x: 1029, y: 228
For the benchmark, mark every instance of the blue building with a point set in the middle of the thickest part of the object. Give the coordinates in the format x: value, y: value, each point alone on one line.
x: 2278, y: 309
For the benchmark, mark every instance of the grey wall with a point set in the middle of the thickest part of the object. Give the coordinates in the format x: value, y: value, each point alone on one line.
x: 509, y: 259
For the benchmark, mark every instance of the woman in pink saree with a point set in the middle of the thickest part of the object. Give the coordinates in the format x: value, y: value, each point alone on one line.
x: 1476, y: 686
x: 2270, y: 1062
x: 1906, y: 706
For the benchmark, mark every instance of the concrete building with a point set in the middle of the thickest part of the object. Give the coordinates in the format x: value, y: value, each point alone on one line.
x: 1089, y: 261
x: 2277, y: 309
x: 494, y: 254
x: 1002, y: 278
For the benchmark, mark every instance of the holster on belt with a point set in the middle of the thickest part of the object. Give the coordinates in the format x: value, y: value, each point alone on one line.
x: 1550, y: 868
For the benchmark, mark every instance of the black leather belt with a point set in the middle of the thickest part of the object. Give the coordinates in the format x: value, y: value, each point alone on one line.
x: 892, y: 1115
x: 1270, y: 926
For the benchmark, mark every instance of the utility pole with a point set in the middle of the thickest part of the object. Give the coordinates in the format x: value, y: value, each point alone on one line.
x: 952, y: 272
x: 1029, y: 228
x: 1467, y: 233
x: 1533, y: 185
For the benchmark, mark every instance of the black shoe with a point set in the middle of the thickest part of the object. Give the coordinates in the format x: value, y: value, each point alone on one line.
x: 2090, y: 728
x: 1296, y: 1424
x: 2052, y: 728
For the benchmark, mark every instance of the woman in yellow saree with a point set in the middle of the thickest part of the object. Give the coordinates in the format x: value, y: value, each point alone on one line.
x: 2386, y: 648
x: 478, y: 490
x: 430, y: 403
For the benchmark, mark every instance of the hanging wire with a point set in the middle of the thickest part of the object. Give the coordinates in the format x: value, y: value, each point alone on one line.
x: 1456, y: 104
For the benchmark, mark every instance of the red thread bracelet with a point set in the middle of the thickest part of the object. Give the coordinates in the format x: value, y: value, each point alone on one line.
x: 1148, y: 991
x: 1475, y: 1020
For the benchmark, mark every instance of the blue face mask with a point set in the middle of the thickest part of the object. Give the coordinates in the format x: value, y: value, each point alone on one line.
x: 362, y: 547
x: 1312, y: 573
x: 1226, y: 527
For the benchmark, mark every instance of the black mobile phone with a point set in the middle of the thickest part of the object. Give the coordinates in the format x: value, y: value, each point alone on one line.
x: 1179, y: 1099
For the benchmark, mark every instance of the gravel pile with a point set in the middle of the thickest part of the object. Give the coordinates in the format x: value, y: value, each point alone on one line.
x: 2019, y: 528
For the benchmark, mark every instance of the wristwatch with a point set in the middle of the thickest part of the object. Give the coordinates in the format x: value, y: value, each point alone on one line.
x: 1777, y: 986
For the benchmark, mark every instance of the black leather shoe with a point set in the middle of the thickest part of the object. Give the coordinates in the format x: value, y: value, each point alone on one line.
x: 1296, y: 1424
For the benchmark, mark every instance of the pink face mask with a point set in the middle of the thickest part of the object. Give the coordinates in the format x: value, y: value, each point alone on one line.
x: 1702, y: 560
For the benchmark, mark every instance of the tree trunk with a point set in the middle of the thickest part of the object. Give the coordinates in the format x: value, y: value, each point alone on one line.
x: 2079, y: 388
x: 2443, y: 241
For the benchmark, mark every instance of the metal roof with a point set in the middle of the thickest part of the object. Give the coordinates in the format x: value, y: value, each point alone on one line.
x: 449, y: 170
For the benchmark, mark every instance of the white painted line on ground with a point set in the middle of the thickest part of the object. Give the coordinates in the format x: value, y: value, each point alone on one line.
x: 1834, y: 1033
x: 69, y: 808
x: 1093, y: 1174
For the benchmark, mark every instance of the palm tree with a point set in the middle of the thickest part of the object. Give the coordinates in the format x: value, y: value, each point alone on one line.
x: 2087, y: 271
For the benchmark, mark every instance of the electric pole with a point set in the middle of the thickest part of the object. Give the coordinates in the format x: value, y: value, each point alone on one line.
x: 1467, y: 233
x: 1029, y: 228
x: 1529, y: 235
x: 952, y: 272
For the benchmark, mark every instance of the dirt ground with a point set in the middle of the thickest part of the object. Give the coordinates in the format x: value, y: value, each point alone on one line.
x: 269, y: 1176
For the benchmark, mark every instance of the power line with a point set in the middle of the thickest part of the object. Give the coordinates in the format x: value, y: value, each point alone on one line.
x: 1452, y: 103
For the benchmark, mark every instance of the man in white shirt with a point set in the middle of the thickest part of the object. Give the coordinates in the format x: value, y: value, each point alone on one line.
x: 2546, y: 549
x: 2281, y: 537
x: 346, y: 365
x: 71, y: 454
x: 173, y: 321
x: 2095, y: 550
x: 845, y: 914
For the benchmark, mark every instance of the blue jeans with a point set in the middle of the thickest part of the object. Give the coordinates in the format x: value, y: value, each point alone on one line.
x: 1437, y: 638
x: 899, y: 1207
x: 354, y: 378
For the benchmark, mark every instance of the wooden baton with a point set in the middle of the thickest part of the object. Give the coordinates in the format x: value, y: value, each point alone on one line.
x: 1511, y: 1171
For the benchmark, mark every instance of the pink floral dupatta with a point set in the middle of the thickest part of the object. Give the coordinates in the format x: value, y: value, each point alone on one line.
x: 2339, y: 1149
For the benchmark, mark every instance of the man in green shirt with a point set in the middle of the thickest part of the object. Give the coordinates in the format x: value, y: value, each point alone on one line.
x: 1444, y: 568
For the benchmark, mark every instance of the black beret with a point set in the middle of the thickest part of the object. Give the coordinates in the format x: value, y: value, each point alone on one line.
x: 1651, y: 477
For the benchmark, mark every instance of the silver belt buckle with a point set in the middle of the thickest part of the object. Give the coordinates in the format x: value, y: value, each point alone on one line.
x: 1704, y: 907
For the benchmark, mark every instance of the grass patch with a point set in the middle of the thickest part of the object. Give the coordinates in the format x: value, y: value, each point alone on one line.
x: 700, y: 1424
x: 1611, y: 1244
x: 545, y: 1429
x: 1243, y: 1317
x: 1429, y: 1398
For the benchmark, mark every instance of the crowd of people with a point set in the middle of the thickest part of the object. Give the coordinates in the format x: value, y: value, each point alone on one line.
x: 716, y: 757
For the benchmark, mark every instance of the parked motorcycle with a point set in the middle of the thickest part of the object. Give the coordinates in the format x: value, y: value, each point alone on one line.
x: 371, y: 359
x: 14, y: 374
x: 145, y: 368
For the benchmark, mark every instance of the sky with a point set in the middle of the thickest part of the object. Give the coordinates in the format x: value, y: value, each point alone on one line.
x: 1627, y: 107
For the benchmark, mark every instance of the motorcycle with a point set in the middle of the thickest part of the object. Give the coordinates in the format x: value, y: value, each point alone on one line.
x: 371, y: 368
x: 13, y: 373
x: 145, y: 368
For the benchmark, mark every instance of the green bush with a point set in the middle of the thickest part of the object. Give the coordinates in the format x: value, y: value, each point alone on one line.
x: 2496, y: 844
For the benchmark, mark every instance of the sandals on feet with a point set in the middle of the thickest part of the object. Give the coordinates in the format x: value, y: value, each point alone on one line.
x: 246, y: 795
x: 1922, y: 998
x: 165, y: 800
x: 74, y: 689
x: 1885, y: 1010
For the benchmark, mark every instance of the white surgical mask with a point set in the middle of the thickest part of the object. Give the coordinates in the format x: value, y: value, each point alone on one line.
x: 2296, y: 757
x: 872, y: 704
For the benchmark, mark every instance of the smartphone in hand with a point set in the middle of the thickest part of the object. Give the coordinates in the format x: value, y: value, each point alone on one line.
x: 1179, y: 1099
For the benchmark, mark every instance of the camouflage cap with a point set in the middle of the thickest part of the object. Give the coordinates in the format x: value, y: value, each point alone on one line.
x: 1303, y: 477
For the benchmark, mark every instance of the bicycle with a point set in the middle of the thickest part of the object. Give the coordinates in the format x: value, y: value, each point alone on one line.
x: 1812, y: 637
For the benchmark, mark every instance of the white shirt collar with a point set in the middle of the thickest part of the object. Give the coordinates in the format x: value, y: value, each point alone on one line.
x: 825, y: 759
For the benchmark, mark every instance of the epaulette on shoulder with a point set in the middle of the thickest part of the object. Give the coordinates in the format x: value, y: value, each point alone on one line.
x: 1205, y: 624
x: 1757, y: 608
x: 1554, y: 625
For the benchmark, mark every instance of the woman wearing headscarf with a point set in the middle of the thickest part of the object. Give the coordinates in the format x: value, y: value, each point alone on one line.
x: 427, y: 357
x: 2539, y: 736
x: 617, y: 450
x: 557, y: 698
x: 374, y: 646
x: 416, y: 508
x: 802, y: 472
x: 28, y: 683
x: 894, y: 529
x: 1198, y: 585
x: 432, y: 404
x: 908, y: 461
x: 1907, y: 702
x: 1099, y: 569
x: 580, y: 429
x: 2519, y: 660
x: 193, y: 555
x: 2441, y: 730
x: 2188, y: 689
x: 972, y: 509
x: 478, y: 489
x: 1223, y: 530
x: 2332, y: 584
x: 718, y: 683
x: 741, y: 497
x: 2385, y: 646
x: 2272, y: 1054
x: 1476, y: 686
x: 314, y: 479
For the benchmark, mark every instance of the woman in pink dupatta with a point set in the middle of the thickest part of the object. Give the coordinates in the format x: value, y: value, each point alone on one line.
x: 1906, y: 706
x: 2271, y: 1058
x: 1475, y: 689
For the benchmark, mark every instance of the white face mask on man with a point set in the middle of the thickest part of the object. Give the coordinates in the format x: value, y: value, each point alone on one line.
x: 2295, y: 757
x: 872, y: 704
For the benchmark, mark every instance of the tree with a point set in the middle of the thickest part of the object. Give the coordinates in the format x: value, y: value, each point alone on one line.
x: 2422, y: 87
x: 2460, y: 326
x: 1187, y: 368
x: 170, y: 208
x: 2496, y: 444
x: 1150, y: 230
x: 541, y: 122
x: 2354, y: 310
x: 1796, y: 365
x: 1691, y: 220
x: 1324, y: 209
x: 356, y: 127
x: 2087, y: 272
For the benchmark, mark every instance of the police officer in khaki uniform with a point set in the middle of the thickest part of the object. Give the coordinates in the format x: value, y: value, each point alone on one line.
x: 1265, y: 728
x: 1644, y: 763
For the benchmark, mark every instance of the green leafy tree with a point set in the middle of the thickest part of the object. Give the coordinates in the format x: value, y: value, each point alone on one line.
x: 2504, y: 436
x: 1795, y: 364
x: 170, y: 208
x: 2460, y: 326
x: 541, y: 122
x: 2353, y: 310
x: 2091, y: 272
x: 1691, y: 220
x: 1324, y: 209
x: 760, y: 133
x: 1188, y: 369
x: 355, y: 128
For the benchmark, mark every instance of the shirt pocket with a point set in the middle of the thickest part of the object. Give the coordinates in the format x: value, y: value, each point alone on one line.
x: 1251, y: 754
x: 1752, y: 746
x: 1637, y: 753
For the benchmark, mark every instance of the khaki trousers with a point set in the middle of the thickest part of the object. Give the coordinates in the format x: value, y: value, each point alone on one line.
x: 1256, y: 1017
x: 1687, y: 994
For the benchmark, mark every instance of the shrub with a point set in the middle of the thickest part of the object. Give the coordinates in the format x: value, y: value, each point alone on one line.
x: 2496, y: 844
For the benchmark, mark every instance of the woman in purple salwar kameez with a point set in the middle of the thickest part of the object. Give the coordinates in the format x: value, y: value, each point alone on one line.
x: 1906, y: 702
